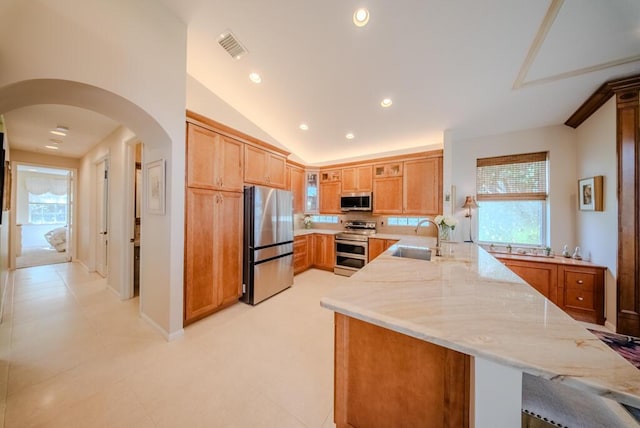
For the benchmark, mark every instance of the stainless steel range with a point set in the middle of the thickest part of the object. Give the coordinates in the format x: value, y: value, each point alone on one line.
x: 352, y: 246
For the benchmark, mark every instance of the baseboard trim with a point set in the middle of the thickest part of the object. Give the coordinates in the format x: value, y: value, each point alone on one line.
x: 168, y: 336
x: 610, y: 326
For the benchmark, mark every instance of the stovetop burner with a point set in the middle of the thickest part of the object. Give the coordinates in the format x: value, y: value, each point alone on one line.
x: 358, y: 230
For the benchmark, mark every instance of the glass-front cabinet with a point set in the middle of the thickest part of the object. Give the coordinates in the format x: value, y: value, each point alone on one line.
x: 311, y: 191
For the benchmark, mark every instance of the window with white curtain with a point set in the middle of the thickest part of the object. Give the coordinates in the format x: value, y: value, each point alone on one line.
x: 47, y: 198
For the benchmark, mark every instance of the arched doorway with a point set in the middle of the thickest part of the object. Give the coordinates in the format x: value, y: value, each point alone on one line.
x: 161, y: 302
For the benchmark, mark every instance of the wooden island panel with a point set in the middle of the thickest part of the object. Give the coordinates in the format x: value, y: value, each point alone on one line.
x: 387, y: 379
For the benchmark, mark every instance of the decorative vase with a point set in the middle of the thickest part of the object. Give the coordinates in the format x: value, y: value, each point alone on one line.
x: 307, y: 225
x: 445, y: 233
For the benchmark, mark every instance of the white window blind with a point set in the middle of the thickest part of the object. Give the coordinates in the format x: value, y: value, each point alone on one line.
x: 513, y: 177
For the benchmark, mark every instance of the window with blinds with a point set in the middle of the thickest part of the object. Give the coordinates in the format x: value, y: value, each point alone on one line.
x: 512, y: 194
x: 516, y: 177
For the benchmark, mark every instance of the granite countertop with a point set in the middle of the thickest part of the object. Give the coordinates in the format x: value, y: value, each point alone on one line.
x: 468, y: 301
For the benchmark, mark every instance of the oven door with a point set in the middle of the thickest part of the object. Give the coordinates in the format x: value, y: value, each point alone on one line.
x: 350, y: 256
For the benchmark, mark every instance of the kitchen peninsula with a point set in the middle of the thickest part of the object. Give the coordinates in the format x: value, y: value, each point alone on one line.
x: 448, y: 341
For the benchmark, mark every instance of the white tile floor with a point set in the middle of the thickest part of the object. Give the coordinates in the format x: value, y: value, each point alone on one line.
x: 72, y: 354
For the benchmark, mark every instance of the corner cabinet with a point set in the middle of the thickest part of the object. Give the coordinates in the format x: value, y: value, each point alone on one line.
x: 264, y: 168
x: 213, y: 251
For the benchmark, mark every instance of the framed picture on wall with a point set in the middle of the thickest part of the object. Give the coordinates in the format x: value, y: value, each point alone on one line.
x: 590, y: 193
x: 155, y: 187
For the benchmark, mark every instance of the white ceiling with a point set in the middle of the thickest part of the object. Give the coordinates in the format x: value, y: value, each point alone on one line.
x: 467, y: 67
x: 28, y: 129
x: 447, y: 65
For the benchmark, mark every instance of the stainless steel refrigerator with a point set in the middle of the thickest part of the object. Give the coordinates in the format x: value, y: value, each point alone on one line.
x: 268, y: 243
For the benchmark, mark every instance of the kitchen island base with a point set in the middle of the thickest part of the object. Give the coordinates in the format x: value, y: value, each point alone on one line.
x: 384, y: 378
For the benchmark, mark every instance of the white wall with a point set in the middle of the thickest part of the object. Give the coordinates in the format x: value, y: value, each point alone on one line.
x: 597, y: 231
x: 127, y: 60
x: 112, y: 147
x: 559, y: 141
x: 202, y: 101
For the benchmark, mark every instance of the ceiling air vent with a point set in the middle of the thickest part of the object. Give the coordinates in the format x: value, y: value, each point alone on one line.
x: 230, y: 44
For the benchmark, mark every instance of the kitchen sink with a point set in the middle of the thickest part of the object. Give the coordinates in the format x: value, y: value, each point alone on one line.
x: 419, y: 253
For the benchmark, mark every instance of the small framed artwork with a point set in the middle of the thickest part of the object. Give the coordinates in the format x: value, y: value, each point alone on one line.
x: 590, y: 193
x: 155, y: 187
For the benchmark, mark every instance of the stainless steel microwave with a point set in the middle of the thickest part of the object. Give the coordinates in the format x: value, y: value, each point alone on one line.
x: 362, y: 201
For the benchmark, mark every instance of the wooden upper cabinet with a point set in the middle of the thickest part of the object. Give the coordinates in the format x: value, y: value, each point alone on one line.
x: 330, y: 175
x: 263, y: 167
x: 213, y: 160
x: 423, y: 186
x: 387, y: 195
x: 389, y: 169
x: 330, y: 197
x: 296, y: 185
x: 357, y: 179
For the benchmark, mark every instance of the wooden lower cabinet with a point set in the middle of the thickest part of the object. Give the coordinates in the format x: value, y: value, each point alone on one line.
x: 387, y: 379
x: 541, y: 276
x: 301, y: 254
x: 582, y: 292
x: 324, y: 251
x: 378, y: 246
x: 316, y: 250
x: 213, y: 252
x: 578, y: 290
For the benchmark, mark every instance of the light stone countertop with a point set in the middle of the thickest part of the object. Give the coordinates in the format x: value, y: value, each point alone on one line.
x: 470, y: 302
x: 302, y: 232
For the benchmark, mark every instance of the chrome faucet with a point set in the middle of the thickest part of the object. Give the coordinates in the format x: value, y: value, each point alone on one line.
x: 428, y: 220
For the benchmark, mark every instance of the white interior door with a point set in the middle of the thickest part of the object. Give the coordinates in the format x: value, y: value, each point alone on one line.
x: 102, y: 204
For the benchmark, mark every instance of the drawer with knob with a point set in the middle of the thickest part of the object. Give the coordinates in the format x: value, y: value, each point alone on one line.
x: 583, y: 292
x: 580, y: 280
x: 579, y: 299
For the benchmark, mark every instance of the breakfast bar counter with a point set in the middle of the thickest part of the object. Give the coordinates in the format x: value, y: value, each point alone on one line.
x: 469, y: 303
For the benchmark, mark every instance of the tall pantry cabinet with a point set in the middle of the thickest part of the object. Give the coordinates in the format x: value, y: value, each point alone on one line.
x: 213, y: 222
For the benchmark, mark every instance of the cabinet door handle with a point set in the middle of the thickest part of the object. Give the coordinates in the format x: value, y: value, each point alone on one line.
x: 580, y: 281
x: 580, y: 298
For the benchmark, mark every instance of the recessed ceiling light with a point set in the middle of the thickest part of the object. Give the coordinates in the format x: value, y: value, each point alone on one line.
x: 386, y: 102
x: 304, y: 126
x: 60, y: 130
x: 361, y: 17
x: 255, y: 78
x: 350, y: 136
x: 52, y: 147
x: 55, y: 141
